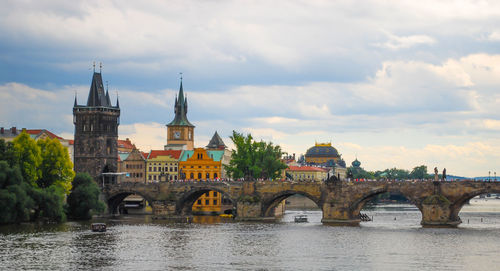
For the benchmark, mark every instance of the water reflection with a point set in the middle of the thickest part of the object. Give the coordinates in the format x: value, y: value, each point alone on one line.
x: 140, y: 243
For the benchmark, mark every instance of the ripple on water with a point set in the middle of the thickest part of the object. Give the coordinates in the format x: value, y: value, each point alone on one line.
x: 138, y: 243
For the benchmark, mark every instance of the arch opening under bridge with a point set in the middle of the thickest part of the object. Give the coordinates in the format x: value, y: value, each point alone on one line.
x: 116, y: 201
x: 186, y: 206
x: 269, y: 206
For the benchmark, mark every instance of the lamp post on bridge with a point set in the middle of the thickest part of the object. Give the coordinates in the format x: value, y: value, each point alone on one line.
x: 489, y: 176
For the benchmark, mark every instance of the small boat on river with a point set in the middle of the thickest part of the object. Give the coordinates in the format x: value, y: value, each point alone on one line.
x: 98, y: 227
x: 300, y: 218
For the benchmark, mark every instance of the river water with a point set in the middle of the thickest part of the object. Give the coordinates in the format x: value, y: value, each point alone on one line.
x: 394, y: 240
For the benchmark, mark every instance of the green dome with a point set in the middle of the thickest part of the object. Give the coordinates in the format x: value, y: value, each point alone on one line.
x: 356, y: 163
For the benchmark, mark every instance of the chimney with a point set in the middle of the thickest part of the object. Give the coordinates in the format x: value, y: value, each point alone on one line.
x: 2, y: 130
x: 13, y: 130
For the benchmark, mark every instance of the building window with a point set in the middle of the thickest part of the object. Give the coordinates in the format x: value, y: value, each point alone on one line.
x: 192, y: 175
x: 215, y: 202
x: 150, y: 169
x: 199, y: 176
x: 199, y: 202
x: 207, y: 202
x: 215, y: 193
x: 215, y: 175
x: 207, y: 194
x: 208, y: 175
x: 154, y: 168
x: 149, y: 177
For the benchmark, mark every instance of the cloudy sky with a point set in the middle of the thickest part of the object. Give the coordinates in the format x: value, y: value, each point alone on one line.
x: 395, y: 83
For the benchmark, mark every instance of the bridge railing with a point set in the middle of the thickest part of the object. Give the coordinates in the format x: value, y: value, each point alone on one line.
x: 303, y: 181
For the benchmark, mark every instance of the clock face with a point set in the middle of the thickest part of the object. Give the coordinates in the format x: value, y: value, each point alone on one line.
x: 177, y: 134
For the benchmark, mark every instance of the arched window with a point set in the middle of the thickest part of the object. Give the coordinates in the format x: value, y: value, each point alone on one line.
x: 192, y: 175
x: 199, y: 175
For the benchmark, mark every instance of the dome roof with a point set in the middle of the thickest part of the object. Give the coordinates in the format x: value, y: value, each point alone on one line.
x: 356, y: 163
x: 322, y: 150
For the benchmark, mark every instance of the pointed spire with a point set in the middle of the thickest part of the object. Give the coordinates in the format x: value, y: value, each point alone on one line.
x: 181, y: 95
x: 108, y: 100
x: 117, y: 101
x: 216, y: 142
x: 180, y: 109
x: 97, y: 96
x: 76, y: 104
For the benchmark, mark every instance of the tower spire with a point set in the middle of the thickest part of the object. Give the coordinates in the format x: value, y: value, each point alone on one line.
x: 117, y: 101
x: 75, y: 99
x: 180, y: 108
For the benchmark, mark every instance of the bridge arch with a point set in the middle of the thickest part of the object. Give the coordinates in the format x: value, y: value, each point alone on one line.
x: 185, y: 203
x: 460, y: 202
x: 359, y: 203
x: 272, y: 202
x: 117, y: 197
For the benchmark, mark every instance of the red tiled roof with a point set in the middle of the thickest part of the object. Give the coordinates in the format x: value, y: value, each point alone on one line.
x: 172, y: 153
x: 144, y: 154
x: 39, y: 131
x: 127, y: 144
x: 71, y: 142
x: 306, y: 168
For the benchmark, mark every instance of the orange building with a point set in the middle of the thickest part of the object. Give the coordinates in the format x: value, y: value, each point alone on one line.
x: 201, y: 164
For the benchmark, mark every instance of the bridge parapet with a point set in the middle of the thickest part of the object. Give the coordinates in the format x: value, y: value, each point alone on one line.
x: 340, y: 201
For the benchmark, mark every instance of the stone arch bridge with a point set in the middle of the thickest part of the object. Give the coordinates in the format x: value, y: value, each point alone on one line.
x: 341, y: 202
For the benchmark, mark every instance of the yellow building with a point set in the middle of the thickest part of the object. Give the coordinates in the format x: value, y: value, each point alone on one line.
x: 307, y: 173
x: 162, y: 165
x: 200, y: 164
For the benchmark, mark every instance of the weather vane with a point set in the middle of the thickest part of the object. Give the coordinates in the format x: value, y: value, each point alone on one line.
x: 93, y: 65
x: 181, y: 75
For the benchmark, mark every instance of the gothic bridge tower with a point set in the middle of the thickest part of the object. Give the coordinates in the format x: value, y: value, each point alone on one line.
x: 180, y: 132
x: 96, y: 132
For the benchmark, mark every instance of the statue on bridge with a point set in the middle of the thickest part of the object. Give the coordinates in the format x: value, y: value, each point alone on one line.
x: 436, y: 177
x: 444, y: 174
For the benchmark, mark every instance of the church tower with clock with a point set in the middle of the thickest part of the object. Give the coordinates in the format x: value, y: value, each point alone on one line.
x: 180, y: 132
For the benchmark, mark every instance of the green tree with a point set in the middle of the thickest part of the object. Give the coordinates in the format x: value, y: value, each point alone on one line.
x: 359, y: 173
x: 7, y: 153
x: 419, y: 172
x: 254, y: 159
x: 28, y: 156
x: 56, y: 167
x: 49, y: 204
x: 83, y: 200
x: 16, y: 203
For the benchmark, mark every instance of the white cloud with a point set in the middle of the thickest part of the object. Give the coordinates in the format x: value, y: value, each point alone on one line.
x: 403, y: 42
x: 146, y: 136
x: 291, y: 35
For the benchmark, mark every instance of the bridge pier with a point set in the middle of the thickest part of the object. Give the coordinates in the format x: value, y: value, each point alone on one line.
x: 437, y: 213
x: 338, y: 214
x: 163, y: 209
x: 250, y: 211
